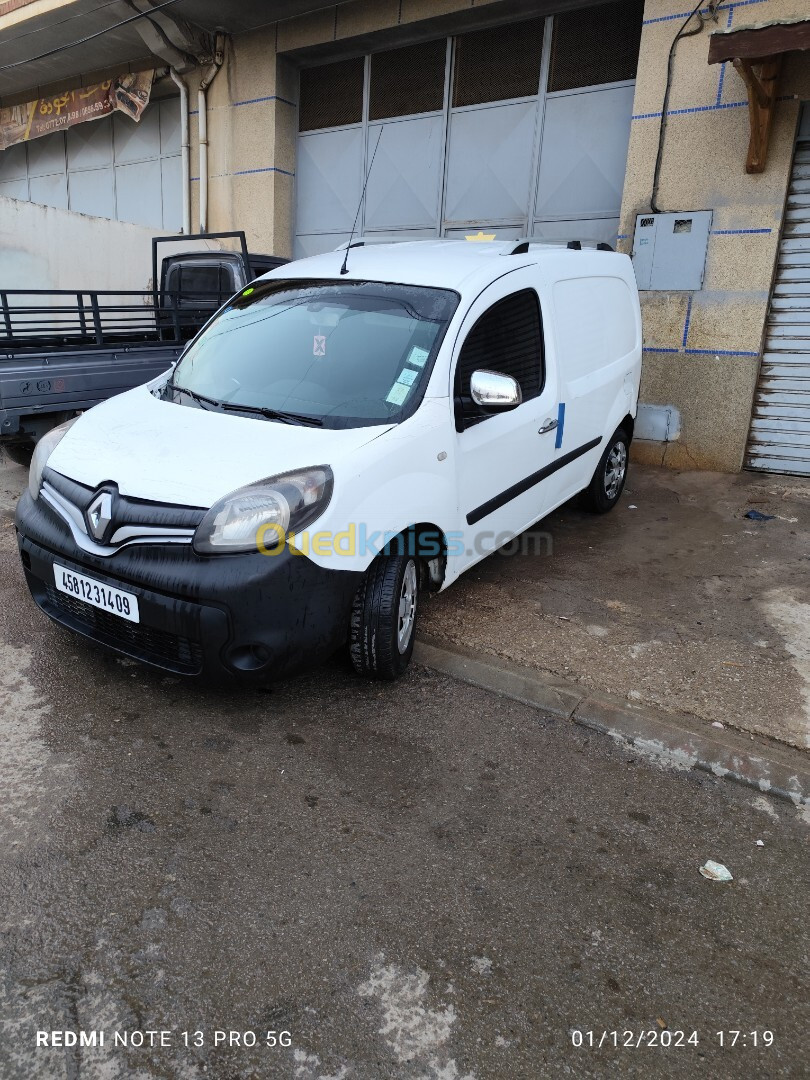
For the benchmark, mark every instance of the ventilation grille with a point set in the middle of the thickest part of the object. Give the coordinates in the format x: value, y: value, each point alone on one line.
x: 595, y: 45
x: 495, y: 65
x: 409, y: 80
x: 332, y: 95
x: 155, y: 646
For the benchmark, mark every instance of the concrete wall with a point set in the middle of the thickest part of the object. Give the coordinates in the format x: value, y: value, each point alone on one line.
x: 702, y: 348
x: 45, y: 248
x: 252, y: 129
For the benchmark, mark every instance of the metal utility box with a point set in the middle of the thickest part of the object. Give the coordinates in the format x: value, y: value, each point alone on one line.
x: 669, y: 250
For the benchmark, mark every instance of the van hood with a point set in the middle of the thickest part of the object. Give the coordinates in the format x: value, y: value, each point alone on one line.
x: 156, y: 450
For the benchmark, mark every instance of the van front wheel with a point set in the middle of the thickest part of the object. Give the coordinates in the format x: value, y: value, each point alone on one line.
x: 607, y: 484
x: 383, y: 624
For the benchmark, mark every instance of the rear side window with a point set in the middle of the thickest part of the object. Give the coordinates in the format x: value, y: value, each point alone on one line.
x: 201, y: 283
x: 595, y: 324
x: 507, y: 338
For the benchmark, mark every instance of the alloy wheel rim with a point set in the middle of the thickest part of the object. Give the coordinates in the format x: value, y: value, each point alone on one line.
x: 407, y: 607
x: 615, y: 469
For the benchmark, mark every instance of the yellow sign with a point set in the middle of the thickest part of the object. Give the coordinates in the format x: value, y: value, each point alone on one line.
x: 480, y: 237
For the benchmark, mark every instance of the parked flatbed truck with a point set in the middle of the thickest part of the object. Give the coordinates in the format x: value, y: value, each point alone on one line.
x: 63, y: 351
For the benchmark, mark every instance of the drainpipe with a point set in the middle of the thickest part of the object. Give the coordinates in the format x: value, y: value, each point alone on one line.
x: 181, y: 86
x: 207, y: 79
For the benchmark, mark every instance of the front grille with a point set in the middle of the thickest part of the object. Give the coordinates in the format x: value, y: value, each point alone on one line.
x: 147, y: 643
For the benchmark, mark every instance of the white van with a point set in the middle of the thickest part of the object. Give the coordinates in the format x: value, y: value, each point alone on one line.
x: 347, y: 433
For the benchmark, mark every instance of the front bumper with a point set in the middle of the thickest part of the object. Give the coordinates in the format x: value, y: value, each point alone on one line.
x: 253, y: 616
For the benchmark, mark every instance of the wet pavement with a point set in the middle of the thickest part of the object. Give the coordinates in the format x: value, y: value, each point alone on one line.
x: 676, y: 600
x: 418, y: 881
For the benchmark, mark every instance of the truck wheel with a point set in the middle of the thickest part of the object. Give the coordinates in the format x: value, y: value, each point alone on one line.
x: 383, y: 622
x: 607, y: 484
x: 19, y: 453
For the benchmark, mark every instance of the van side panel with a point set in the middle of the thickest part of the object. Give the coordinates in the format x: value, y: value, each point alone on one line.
x: 596, y: 330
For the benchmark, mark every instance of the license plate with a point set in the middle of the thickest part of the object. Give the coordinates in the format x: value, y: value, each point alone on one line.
x: 116, y: 601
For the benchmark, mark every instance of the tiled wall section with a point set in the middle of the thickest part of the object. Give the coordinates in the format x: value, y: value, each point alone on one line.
x: 702, y: 349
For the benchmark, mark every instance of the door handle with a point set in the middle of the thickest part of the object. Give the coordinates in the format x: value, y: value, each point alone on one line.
x: 549, y: 425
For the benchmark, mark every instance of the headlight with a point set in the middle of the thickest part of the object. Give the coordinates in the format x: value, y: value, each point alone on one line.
x: 44, y: 448
x: 278, y: 506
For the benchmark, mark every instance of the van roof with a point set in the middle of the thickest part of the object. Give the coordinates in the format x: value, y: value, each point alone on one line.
x: 456, y: 264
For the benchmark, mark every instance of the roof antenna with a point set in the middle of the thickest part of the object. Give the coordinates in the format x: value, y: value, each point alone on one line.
x: 344, y: 269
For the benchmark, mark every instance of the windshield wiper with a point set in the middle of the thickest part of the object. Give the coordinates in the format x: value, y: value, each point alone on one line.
x: 272, y: 414
x: 200, y: 398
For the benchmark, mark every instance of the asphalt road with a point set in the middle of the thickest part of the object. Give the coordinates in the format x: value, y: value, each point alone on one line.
x: 418, y: 881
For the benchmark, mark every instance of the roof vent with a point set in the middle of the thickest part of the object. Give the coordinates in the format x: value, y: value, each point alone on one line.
x: 574, y: 245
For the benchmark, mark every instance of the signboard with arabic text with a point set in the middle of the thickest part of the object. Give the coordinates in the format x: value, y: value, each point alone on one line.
x: 127, y: 93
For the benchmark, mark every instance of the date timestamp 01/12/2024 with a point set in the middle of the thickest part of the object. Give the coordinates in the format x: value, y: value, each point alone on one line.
x: 726, y: 1040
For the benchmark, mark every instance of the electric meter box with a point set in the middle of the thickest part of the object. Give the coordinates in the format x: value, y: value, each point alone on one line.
x: 669, y: 250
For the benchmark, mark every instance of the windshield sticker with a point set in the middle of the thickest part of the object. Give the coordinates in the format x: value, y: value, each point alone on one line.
x: 408, y: 376
x: 319, y: 345
x: 418, y: 356
x: 399, y: 391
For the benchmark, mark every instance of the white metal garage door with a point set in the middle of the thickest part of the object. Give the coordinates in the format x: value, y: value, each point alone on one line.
x: 780, y: 429
x: 520, y: 130
x: 112, y: 168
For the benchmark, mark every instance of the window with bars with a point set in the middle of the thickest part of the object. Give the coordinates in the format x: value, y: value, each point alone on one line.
x: 507, y: 339
x: 498, y: 64
x: 331, y: 95
x: 595, y: 45
x: 408, y: 80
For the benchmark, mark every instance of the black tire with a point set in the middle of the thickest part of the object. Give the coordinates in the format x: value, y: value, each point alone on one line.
x: 376, y: 637
x: 19, y: 453
x: 607, y: 484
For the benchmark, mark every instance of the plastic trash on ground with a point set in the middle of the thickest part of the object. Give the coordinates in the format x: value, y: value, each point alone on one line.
x: 715, y: 871
x: 757, y: 515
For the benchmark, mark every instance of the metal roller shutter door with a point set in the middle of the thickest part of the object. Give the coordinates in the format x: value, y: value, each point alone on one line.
x: 779, y: 440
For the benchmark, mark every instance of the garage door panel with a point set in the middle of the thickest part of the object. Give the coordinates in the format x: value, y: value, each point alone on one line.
x: 585, y: 141
x: 138, y: 193
x: 49, y: 190
x: 136, y: 141
x: 91, y: 192
x: 15, y: 189
x: 89, y: 146
x: 170, y: 126
x: 403, y: 186
x: 46, y: 155
x: 592, y: 231
x: 318, y: 244
x: 489, y: 161
x: 171, y: 182
x: 329, y: 180
x: 13, y: 163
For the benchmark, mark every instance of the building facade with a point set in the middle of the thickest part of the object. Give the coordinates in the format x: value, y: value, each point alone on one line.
x: 501, y: 118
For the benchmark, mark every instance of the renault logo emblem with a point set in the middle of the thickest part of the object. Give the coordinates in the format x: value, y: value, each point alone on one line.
x: 99, y: 515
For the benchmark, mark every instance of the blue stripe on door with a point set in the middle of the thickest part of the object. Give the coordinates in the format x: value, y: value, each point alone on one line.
x: 560, y: 425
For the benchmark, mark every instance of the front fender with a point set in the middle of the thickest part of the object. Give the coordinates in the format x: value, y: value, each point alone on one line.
x: 404, y: 477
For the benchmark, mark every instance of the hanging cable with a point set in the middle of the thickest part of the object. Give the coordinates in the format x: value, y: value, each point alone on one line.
x: 90, y: 37
x: 682, y: 33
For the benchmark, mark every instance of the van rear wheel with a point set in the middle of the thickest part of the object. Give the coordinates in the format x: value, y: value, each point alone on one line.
x: 607, y: 484
x: 383, y: 621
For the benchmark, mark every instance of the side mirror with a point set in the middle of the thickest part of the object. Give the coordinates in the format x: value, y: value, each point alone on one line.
x: 494, y: 392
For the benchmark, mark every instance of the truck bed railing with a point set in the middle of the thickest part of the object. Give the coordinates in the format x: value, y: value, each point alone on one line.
x: 60, y: 318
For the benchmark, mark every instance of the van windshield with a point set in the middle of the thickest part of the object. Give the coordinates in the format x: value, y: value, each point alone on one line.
x: 338, y: 354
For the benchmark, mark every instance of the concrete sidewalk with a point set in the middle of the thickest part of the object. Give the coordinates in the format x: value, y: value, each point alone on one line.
x: 675, y: 600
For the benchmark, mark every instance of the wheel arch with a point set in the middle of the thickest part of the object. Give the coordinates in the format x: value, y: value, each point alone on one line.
x: 428, y: 542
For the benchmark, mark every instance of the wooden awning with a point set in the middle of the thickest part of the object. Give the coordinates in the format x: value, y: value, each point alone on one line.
x: 756, y: 53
